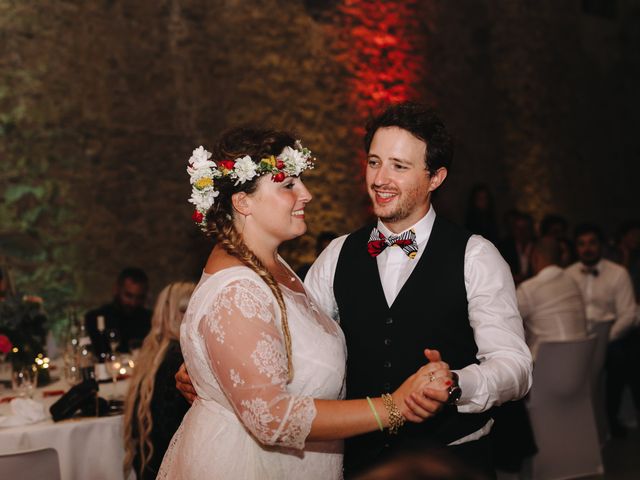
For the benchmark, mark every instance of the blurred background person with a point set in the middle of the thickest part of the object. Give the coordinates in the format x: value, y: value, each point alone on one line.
x: 153, y: 407
x: 125, y: 314
x: 550, y: 302
x: 481, y: 216
x: 516, y: 246
x: 556, y: 226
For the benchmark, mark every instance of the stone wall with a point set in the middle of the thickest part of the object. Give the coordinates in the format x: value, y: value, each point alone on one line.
x: 102, y: 102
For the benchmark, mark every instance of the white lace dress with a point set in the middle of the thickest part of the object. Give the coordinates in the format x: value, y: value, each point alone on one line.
x: 247, y: 422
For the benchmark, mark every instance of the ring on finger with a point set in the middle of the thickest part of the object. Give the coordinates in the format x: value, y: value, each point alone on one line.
x: 432, y: 377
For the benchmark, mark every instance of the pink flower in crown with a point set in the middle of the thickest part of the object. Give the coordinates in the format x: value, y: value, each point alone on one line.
x: 5, y: 344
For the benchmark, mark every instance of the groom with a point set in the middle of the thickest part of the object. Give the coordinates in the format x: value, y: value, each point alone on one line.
x: 413, y: 280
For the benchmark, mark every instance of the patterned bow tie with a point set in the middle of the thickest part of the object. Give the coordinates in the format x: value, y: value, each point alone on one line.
x: 590, y: 271
x: 406, y: 240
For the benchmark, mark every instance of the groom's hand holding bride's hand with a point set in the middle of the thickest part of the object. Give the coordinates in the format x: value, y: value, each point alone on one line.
x: 425, y: 393
x: 184, y: 385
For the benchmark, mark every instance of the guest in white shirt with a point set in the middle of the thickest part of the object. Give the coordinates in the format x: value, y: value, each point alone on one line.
x: 608, y: 295
x: 550, y: 303
x: 414, y: 280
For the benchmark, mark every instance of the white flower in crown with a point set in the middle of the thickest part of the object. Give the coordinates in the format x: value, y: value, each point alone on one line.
x: 244, y: 169
x: 200, y: 159
x: 296, y: 160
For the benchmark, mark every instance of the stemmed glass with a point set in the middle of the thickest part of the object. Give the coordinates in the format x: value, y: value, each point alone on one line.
x: 113, y: 337
x: 24, y: 381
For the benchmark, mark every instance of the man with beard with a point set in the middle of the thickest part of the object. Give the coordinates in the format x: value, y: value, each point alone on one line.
x: 126, y: 313
x: 608, y: 296
x: 413, y: 280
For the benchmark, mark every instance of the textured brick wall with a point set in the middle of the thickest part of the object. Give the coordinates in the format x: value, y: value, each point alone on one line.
x: 102, y: 102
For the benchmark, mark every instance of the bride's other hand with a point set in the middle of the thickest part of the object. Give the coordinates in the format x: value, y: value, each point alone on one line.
x: 184, y: 385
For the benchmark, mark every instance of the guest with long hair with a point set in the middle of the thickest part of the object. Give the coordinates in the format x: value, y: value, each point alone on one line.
x: 153, y: 408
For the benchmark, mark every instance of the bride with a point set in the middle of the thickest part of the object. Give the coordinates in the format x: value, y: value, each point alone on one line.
x: 267, y: 365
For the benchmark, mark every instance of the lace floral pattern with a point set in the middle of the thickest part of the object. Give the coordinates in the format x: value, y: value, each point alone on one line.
x: 243, y: 336
x: 236, y: 378
x: 270, y: 359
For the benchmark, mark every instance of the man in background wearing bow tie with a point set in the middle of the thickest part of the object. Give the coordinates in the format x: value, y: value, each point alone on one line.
x: 414, y: 280
x: 608, y: 296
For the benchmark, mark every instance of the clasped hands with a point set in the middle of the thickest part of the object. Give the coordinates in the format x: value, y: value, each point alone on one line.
x: 426, y: 392
x: 420, y: 396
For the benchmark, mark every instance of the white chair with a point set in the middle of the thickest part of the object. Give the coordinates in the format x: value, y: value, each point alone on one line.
x: 31, y: 465
x: 601, y: 330
x: 561, y: 411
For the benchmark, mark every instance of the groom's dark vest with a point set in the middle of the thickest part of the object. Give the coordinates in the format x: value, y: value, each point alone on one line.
x: 386, y: 345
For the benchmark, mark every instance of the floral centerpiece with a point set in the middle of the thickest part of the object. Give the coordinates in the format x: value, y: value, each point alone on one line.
x: 22, y: 330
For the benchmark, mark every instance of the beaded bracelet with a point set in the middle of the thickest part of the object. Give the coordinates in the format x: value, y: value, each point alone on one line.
x: 396, y: 419
x: 375, y: 414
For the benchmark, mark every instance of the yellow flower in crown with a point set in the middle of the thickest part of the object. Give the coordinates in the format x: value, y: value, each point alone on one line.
x: 269, y: 161
x: 203, y: 183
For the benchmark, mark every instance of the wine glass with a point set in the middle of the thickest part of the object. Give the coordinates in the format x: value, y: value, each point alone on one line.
x: 24, y: 380
x: 113, y: 337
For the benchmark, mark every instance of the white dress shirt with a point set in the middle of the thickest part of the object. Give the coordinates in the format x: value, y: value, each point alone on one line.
x: 608, y: 296
x: 504, y: 372
x: 551, y: 307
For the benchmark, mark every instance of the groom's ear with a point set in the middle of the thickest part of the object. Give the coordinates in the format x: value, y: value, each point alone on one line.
x: 437, y: 178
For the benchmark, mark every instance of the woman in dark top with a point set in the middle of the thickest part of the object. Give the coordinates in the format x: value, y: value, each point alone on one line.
x: 154, y: 408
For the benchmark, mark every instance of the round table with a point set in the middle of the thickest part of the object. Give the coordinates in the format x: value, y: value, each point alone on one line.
x: 88, y: 448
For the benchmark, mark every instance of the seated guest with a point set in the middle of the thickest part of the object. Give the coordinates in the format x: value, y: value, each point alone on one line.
x: 126, y: 312
x: 550, y: 303
x: 154, y: 408
x: 608, y: 296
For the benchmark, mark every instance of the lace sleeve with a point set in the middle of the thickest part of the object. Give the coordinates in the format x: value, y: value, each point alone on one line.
x: 247, y: 355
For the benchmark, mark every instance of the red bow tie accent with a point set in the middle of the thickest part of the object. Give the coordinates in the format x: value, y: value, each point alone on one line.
x: 406, y: 240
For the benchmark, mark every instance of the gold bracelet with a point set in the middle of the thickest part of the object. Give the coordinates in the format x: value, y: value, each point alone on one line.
x: 396, y: 419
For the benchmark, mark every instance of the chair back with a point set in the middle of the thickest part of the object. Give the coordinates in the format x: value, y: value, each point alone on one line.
x: 561, y: 411
x: 31, y: 465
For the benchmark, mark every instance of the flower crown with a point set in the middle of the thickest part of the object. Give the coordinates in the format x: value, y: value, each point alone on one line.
x: 204, y: 172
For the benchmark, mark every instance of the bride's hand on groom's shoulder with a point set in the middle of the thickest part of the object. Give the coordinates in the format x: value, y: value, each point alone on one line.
x: 184, y: 385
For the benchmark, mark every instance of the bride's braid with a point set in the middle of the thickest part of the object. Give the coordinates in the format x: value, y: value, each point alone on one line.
x: 220, y: 215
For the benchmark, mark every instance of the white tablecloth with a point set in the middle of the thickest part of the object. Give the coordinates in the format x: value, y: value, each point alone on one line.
x: 88, y: 448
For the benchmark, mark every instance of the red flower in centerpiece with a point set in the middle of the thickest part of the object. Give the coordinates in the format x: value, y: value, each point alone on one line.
x: 197, y: 216
x: 278, y: 177
x: 5, y: 344
x: 279, y: 164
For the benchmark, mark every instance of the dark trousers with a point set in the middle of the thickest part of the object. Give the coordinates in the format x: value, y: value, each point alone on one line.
x: 623, y: 356
x: 477, y: 456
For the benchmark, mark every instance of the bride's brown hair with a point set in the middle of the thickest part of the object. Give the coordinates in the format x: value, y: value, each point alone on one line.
x: 258, y: 144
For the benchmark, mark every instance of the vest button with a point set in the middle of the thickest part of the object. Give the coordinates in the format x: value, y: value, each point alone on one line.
x: 386, y: 445
x: 387, y: 341
x: 386, y: 387
x: 387, y: 364
x: 388, y: 320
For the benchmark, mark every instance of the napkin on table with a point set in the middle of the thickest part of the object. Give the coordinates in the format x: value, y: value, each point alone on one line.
x: 24, y: 412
